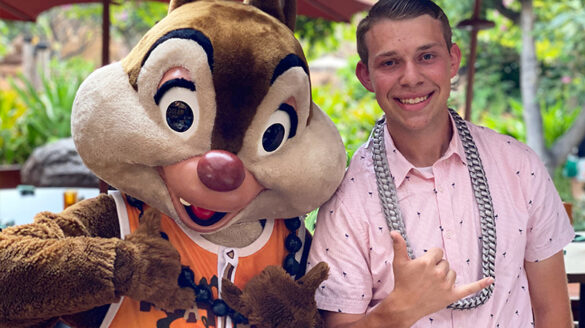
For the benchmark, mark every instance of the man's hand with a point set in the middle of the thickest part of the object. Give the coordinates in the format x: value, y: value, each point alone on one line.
x: 421, y: 286
x: 148, y: 268
x: 427, y: 284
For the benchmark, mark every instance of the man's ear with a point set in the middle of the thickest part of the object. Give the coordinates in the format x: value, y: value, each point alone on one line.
x: 455, y: 60
x: 363, y: 74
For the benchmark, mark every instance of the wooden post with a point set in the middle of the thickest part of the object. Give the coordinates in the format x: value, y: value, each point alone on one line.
x: 28, y: 59
x: 42, y: 57
x: 475, y: 24
x: 103, y: 186
x: 106, y: 32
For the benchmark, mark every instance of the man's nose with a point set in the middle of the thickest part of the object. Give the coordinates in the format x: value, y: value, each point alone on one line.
x: 411, y: 75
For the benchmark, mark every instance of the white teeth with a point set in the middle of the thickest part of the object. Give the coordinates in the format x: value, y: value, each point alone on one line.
x: 184, y: 202
x: 412, y: 101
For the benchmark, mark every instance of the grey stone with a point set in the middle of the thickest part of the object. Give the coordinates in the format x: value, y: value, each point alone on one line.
x: 57, y: 164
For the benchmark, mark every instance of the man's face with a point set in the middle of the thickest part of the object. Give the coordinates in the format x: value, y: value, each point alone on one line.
x: 410, y: 70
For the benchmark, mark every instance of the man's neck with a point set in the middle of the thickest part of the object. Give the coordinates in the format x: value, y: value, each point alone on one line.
x: 424, y: 148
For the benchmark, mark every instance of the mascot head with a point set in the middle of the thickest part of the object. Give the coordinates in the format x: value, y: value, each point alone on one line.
x: 210, y: 118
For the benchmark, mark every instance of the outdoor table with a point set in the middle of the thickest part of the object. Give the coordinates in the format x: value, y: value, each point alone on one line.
x: 575, y: 267
x: 21, y: 207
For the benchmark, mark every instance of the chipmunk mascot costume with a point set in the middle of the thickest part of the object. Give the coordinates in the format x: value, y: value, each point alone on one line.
x: 208, y: 132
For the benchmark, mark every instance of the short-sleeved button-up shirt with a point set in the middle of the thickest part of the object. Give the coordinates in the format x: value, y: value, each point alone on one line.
x: 439, y: 210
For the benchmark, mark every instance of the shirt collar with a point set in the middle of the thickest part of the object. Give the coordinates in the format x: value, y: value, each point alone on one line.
x: 401, y: 167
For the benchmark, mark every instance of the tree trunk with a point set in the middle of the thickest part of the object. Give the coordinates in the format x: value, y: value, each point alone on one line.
x: 529, y: 86
x: 569, y: 140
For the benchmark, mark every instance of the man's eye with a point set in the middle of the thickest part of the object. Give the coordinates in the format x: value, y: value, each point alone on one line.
x: 427, y: 56
x: 389, y: 63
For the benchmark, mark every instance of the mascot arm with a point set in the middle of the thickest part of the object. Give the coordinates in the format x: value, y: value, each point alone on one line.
x: 60, y: 264
x: 74, y: 261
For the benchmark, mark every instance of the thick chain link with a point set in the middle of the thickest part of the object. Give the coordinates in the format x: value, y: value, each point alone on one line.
x: 389, y: 202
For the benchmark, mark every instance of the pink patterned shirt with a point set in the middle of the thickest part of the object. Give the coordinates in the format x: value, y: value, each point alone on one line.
x: 439, y: 210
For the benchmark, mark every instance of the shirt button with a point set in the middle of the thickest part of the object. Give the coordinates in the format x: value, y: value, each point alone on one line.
x: 449, y: 234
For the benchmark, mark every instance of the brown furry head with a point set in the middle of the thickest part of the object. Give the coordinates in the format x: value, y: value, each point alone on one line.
x: 210, y: 119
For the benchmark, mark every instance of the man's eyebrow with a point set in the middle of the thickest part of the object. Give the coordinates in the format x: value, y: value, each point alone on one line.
x: 428, y: 46
x: 388, y: 54
x: 424, y: 47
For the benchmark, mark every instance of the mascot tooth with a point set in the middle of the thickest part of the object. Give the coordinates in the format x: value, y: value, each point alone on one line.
x: 209, y: 135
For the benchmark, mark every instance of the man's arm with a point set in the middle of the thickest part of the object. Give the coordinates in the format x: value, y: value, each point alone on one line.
x: 422, y: 286
x: 547, y: 283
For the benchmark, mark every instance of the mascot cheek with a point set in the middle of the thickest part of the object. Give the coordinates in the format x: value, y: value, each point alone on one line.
x: 104, y: 102
x: 107, y: 114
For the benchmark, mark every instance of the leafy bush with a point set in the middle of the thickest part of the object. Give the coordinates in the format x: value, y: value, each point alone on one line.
x: 36, y: 117
x: 11, y: 140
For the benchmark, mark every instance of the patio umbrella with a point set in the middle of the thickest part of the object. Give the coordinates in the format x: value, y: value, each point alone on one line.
x: 338, y: 10
x: 28, y: 10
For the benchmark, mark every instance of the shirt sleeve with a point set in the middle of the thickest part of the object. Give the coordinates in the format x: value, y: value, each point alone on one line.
x: 341, y: 241
x: 549, y: 226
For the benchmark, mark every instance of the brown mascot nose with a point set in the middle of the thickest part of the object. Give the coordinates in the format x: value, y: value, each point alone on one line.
x: 220, y: 170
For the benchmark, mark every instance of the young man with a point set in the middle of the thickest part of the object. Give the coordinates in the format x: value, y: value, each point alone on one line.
x: 473, y: 205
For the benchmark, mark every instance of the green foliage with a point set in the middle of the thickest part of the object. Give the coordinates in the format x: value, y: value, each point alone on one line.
x: 311, y: 221
x: 579, y: 215
x: 11, y: 113
x: 352, y: 108
x: 563, y: 185
x: 315, y: 35
x: 36, y: 117
x: 320, y: 37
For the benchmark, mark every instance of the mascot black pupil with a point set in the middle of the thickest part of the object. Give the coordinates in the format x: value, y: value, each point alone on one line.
x: 273, y: 137
x: 179, y: 116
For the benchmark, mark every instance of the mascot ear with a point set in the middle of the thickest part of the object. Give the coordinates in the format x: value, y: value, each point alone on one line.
x: 283, y: 10
x: 174, y: 4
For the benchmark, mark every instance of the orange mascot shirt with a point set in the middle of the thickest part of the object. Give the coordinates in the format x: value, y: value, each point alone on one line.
x: 209, y: 262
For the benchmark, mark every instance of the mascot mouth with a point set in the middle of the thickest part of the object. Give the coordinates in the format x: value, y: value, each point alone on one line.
x: 202, y: 216
x: 200, y: 202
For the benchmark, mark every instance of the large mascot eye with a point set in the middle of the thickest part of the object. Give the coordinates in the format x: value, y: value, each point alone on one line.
x: 179, y: 116
x: 178, y: 103
x: 281, y: 126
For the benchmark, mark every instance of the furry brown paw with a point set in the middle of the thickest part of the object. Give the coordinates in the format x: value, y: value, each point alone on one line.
x: 148, y: 267
x: 273, y: 299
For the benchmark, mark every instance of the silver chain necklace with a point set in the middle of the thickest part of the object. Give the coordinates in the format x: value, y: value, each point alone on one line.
x: 389, y: 201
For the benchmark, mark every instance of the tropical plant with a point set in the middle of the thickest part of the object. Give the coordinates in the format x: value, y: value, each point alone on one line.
x: 31, y: 117
x: 11, y: 112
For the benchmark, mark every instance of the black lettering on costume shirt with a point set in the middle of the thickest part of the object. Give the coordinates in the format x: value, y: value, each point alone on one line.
x: 166, y: 322
x: 208, y: 320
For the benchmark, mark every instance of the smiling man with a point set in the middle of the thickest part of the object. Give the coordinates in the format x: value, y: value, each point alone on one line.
x: 466, y: 205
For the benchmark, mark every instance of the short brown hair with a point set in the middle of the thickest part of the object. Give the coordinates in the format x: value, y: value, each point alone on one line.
x: 398, y: 10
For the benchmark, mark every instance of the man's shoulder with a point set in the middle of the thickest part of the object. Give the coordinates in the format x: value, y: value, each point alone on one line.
x: 497, y: 142
x: 504, y: 152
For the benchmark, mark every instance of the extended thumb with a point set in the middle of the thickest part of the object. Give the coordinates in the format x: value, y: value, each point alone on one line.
x: 149, y: 223
x: 399, y: 246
